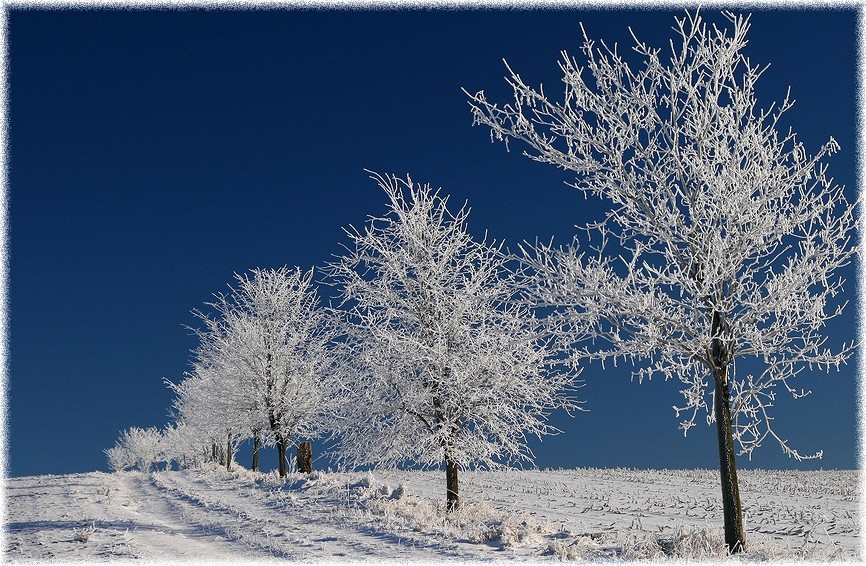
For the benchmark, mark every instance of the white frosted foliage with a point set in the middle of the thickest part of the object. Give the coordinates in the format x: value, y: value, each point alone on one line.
x: 445, y: 365
x: 265, y: 362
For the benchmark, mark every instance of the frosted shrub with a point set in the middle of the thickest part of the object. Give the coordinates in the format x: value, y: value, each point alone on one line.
x: 694, y: 543
x: 473, y: 522
x: 516, y: 531
x: 690, y: 544
x: 399, y: 492
x: 85, y: 534
x: 367, y: 481
x: 182, y: 444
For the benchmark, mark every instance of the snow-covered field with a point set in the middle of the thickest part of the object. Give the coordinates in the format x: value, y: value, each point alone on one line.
x: 584, y: 513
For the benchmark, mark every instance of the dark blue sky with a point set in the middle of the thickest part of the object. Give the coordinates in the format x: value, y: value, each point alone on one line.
x: 154, y: 153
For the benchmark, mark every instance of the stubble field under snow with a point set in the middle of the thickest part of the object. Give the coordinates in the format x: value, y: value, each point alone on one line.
x: 208, y: 513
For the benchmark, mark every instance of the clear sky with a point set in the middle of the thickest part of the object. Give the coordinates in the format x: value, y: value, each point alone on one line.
x: 152, y: 154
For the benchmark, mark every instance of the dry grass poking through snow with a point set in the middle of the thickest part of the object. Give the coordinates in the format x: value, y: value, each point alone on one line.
x: 516, y: 532
x: 626, y: 514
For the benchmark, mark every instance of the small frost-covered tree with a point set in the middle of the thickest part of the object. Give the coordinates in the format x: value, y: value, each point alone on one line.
x: 727, y: 232
x: 183, y: 445
x: 269, y: 347
x: 446, y: 369
x: 136, y: 448
x: 213, y: 408
x: 118, y: 458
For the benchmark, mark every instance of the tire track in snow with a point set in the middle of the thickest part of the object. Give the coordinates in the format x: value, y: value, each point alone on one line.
x: 283, y: 524
x: 164, y: 529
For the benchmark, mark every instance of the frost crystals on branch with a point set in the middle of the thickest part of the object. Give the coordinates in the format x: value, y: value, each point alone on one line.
x: 722, y: 238
x: 447, y: 369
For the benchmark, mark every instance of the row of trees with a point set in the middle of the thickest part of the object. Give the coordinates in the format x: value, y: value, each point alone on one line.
x: 266, y: 366
x: 721, y: 242
x: 177, y: 444
x: 428, y: 358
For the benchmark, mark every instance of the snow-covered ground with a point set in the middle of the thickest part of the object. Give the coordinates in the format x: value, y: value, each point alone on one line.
x: 209, y: 513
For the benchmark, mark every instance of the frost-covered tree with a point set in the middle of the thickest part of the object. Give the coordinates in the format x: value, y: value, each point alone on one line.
x: 136, y: 448
x: 183, y: 445
x: 118, y: 458
x: 213, y: 409
x: 722, y: 238
x: 267, y: 346
x: 445, y: 368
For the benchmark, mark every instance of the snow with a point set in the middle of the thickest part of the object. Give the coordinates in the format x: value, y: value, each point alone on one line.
x: 607, y: 514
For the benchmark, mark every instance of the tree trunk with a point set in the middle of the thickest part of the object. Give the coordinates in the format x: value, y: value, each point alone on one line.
x: 281, y: 452
x: 256, y: 445
x: 305, y: 457
x: 735, y: 536
x: 229, y: 452
x: 220, y: 453
x: 453, y: 500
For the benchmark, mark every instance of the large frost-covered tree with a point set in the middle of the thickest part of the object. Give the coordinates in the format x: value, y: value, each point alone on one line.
x: 266, y: 361
x: 446, y: 368
x: 722, y: 235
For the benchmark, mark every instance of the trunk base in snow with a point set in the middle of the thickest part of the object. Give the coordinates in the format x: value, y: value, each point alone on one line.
x: 305, y: 457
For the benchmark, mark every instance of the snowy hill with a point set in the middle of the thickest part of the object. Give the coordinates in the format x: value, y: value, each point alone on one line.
x: 209, y: 513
